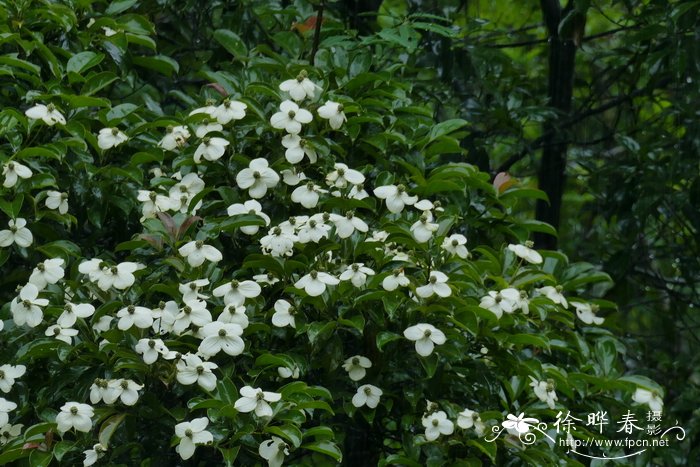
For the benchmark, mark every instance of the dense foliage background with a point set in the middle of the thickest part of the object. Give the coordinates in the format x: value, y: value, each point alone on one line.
x: 522, y: 120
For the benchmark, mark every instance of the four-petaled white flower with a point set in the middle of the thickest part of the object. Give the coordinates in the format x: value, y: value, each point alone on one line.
x: 5, y: 408
x: 587, y: 313
x: 257, y: 178
x: 357, y: 367
x: 8, y: 375
x: 437, y: 284
x: 395, y: 280
x: 124, y: 389
x: 554, y: 294
x: 426, y: 336
x: 197, y: 252
x: 468, y: 419
x: 120, y: 276
x: 192, y: 369
x: 175, y: 137
x: 47, y: 272
x: 26, y: 308
x: 211, y: 148
x: 93, y: 455
x: 17, y: 233
x: 229, y: 110
x: 307, y: 195
x: 153, y: 203
x: 132, y: 315
x: 194, y: 312
x: 234, y: 314
x: 497, y: 303
x: 191, y: 435
x: 423, y: 229
x: 544, y: 390
x: 284, y: 314
x: 518, y: 425
x: 650, y: 398
x: 273, y: 451
x: 235, y: 292
x: 12, y: 171
x: 110, y: 137
x: 333, y: 112
x: 71, y: 312
x: 300, y: 87
x: 219, y: 336
x: 455, y: 245
x: 314, y: 283
x: 357, y: 274
x: 255, y: 399
x: 75, y: 415
x: 57, y: 200
x: 290, y: 117
x: 150, y: 349
x: 297, y: 148
x: 342, y: 175
x: 368, y: 395
x: 437, y: 424
x: 526, y: 252
x: 346, y: 225
x: 251, y: 207
x: 63, y: 334
x: 190, y: 290
x: 47, y: 113
x: 9, y: 432
x: 395, y: 196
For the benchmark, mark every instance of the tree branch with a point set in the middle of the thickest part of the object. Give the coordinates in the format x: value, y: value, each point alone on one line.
x: 317, y: 32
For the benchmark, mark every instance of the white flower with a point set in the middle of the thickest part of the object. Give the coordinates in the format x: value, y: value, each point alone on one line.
x: 234, y: 314
x: 652, y: 399
x: 164, y: 316
x: 395, y: 196
x: 554, y: 294
x: 284, y: 314
x: 307, y: 195
x: 75, y: 415
x: 211, y: 149
x: 333, y: 112
x: 255, y: 399
x: 277, y: 242
x: 285, y: 372
x: 197, y: 252
x: 518, y: 425
x: 124, y: 389
x: 518, y: 298
x: 268, y: 278
x: 291, y: 177
x: 120, y: 276
x: 273, y: 451
x: 358, y: 192
x: 47, y: 272
x: 182, y: 192
x: 297, y: 148
x: 191, y: 369
x: 93, y: 455
x: 455, y: 245
x: 357, y: 367
x: 544, y: 390
x: 57, y: 200
x: 314, y: 230
x: 251, y: 207
x: 395, y: 280
x: 63, y: 334
x: 437, y: 284
x: 219, y: 337
x: 26, y: 308
x: 235, y: 292
x: 314, y: 283
x: 73, y: 311
x: 5, y: 408
x: 9, y: 432
x: 290, y: 118
x: 367, y: 395
x: 207, y: 127
x: 209, y: 109
x: 191, y: 435
x: 153, y: 203
x: 102, y: 324
x: 8, y: 375
x: 426, y: 336
x: 526, y: 252
x: 346, y: 225
x: 190, y: 290
x: 257, y: 178
x: 17, y: 233
x: 342, y: 175
x: 587, y: 313
x: 149, y: 349
x: 299, y: 88
x: 497, y: 303
x: 229, y: 110
x: 174, y: 138
x: 194, y: 312
x: 437, y: 424
x: 468, y: 419
x: 357, y: 274
x: 138, y: 316
x: 47, y: 113
x: 13, y: 171
x: 110, y: 137
x: 423, y: 230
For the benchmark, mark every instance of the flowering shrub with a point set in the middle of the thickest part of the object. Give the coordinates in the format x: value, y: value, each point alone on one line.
x: 296, y: 271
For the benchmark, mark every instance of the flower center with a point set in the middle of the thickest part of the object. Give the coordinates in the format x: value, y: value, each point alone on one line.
x: 234, y: 284
x: 114, y: 270
x: 368, y: 391
x: 313, y: 274
x: 56, y: 331
x: 152, y: 343
x: 152, y: 195
x: 50, y: 107
x: 435, y: 422
x: 427, y: 333
x: 115, y: 131
x: 11, y: 166
x: 529, y: 244
x: 193, y: 286
x: 74, y: 410
x: 124, y: 384
x: 401, y: 188
x: 131, y: 309
x: 433, y: 279
x: 257, y: 175
x: 41, y: 267
x: 340, y: 108
x: 189, y: 433
x: 206, y: 140
x: 222, y: 333
x: 26, y: 303
x: 355, y: 267
x: 355, y: 361
x: 200, y: 369
x: 187, y: 310
x: 291, y: 114
x: 455, y: 243
x: 198, y: 244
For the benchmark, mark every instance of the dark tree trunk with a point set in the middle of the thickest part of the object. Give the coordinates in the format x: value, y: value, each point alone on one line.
x: 562, y: 53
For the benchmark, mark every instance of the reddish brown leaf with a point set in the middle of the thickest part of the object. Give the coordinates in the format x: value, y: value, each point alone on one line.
x: 186, y: 224
x: 218, y: 88
x: 502, y: 182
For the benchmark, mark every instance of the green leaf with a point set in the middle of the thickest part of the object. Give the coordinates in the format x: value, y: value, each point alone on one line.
x: 488, y: 448
x: 289, y: 432
x: 325, y: 447
x: 644, y: 383
x: 118, y: 6
x: 83, y: 61
x: 98, y: 81
x: 384, y: 337
x: 231, y: 42
x: 109, y: 426
x: 160, y: 63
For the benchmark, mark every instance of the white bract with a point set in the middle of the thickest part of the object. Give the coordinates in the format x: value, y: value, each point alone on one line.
x: 150, y: 349
x: 75, y: 415
x: 346, y: 225
x: 175, y: 137
x: 554, y: 294
x: 229, y: 110
x: 46, y: 113
x: 315, y: 282
x: 190, y: 290
x: 63, y: 334
x: 357, y: 367
x: 307, y: 195
x: 235, y: 292
x: 5, y: 408
x: 13, y: 171
x: 71, y: 312
x: 333, y: 112
x: 132, y: 315
x: 110, y: 137
x: 284, y: 314
x: 290, y: 118
x: 257, y: 178
x: 299, y: 88
x: 219, y: 337
x: 497, y: 303
x: 153, y: 203
x: 650, y: 398
x: 255, y: 399
x: 437, y: 424
x: 194, y: 312
x: 197, y: 252
x: 251, y: 207
x: 234, y: 314
x: 423, y: 229
x: 57, y: 200
x: 210, y: 148
x: 47, y: 272
x: 544, y: 390
x: 8, y: 375
x: 205, y: 127
x: 273, y: 451
x: 587, y: 313
x: 17, y: 233
x: 9, y: 432
x: 526, y: 252
x: 395, y: 196
x: 395, y: 280
x: 455, y: 245
x: 192, y: 369
x: 297, y: 148
x: 367, y: 395
x: 426, y: 336
x: 471, y: 419
x: 357, y: 274
x: 27, y: 307
x: 437, y: 284
x: 93, y: 455
x: 192, y: 434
